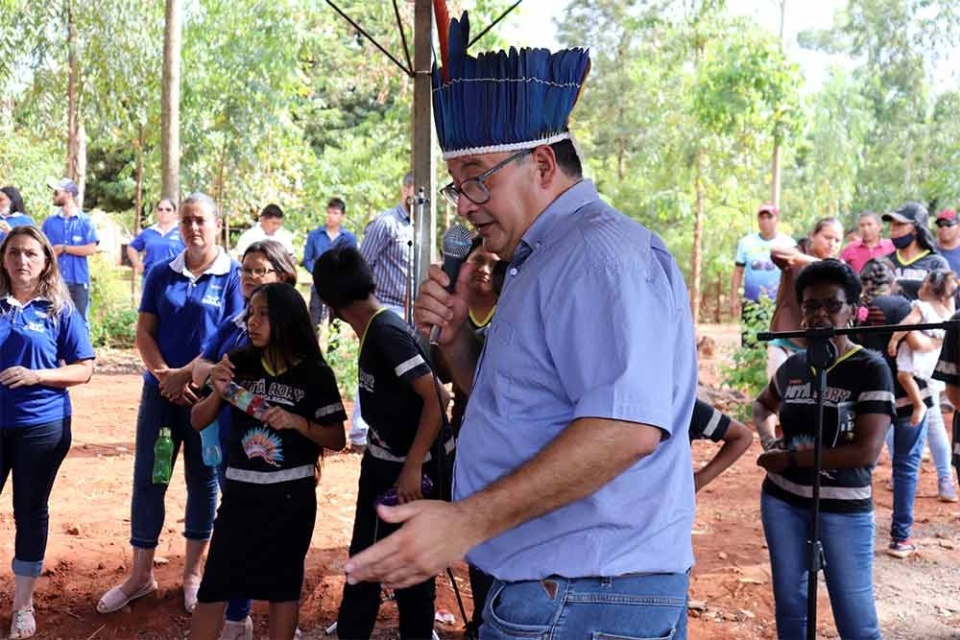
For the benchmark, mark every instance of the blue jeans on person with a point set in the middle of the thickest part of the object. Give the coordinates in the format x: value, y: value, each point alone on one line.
x: 640, y: 606
x: 847, y: 540
x: 937, y: 438
x: 33, y: 454
x: 907, y: 451
x: 80, y: 294
x: 147, y: 511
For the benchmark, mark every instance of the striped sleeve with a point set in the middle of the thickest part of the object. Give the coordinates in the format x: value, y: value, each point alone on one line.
x: 876, y: 392
x: 947, y: 366
x: 373, y: 241
x: 707, y: 422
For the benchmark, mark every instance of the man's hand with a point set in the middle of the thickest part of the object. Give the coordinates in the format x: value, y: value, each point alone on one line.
x: 436, y: 307
x: 58, y: 249
x: 735, y: 307
x: 434, y: 536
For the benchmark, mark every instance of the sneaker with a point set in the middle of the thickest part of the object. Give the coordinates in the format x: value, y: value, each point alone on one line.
x: 901, y: 549
x: 946, y: 491
x: 239, y: 630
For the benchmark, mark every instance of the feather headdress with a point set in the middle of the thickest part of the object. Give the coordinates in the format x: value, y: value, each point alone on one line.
x: 501, y: 101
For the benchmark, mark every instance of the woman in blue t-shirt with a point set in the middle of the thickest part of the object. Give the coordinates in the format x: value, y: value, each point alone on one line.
x: 184, y: 301
x: 44, y: 349
x: 858, y: 410
x: 159, y: 242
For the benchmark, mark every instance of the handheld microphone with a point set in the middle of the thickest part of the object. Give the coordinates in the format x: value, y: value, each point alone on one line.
x: 456, y: 245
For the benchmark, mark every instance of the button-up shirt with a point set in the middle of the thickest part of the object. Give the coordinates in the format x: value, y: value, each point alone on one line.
x: 857, y: 253
x: 593, y: 322
x: 76, y: 230
x: 386, y: 248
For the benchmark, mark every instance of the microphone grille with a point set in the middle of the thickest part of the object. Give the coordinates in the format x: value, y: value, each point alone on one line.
x: 456, y: 242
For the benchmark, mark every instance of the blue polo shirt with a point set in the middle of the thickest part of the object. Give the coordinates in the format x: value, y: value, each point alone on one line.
x: 157, y: 246
x: 593, y: 321
x: 77, y: 230
x: 189, y: 309
x: 34, y: 337
x: 16, y: 220
x: 230, y: 335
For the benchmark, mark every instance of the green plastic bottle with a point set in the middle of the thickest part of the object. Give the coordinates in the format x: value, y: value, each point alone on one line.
x: 163, y: 457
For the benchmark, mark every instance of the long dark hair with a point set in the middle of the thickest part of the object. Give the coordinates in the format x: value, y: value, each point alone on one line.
x: 16, y: 200
x: 292, y: 336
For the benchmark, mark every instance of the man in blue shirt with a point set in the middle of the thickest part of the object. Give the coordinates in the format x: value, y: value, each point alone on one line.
x: 74, y: 238
x: 321, y: 240
x: 573, y: 481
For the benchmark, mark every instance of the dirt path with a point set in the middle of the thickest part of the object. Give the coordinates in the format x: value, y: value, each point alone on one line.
x: 918, y: 598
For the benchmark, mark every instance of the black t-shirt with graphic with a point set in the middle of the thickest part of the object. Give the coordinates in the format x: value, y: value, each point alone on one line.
x: 707, y: 422
x: 910, y: 275
x: 858, y: 384
x: 948, y: 370
x: 307, y: 389
x: 390, y: 360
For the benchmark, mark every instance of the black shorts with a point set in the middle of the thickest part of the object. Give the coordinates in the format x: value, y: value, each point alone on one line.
x: 260, y: 541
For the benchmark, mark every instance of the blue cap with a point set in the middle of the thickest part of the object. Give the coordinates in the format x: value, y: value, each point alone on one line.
x: 503, y: 101
x: 66, y: 184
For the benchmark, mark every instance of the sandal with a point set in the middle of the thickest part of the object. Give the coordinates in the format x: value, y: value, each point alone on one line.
x: 191, y: 586
x: 23, y: 624
x: 116, y: 599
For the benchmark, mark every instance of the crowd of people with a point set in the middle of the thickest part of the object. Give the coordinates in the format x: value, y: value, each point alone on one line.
x: 573, y: 494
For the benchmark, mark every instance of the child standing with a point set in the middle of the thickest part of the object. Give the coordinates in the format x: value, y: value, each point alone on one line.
x: 401, y: 401
x: 935, y: 305
x: 269, y: 506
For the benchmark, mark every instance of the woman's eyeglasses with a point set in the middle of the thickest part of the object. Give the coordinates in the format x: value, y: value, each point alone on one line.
x: 832, y: 305
x: 256, y: 272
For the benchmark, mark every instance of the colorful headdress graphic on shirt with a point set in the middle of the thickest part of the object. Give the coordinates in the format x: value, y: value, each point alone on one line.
x: 501, y: 101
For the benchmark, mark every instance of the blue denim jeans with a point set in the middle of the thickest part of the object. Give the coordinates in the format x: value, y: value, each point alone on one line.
x: 147, y: 511
x: 632, y: 607
x: 80, y: 294
x: 847, y: 540
x: 907, y: 451
x: 33, y: 455
x: 937, y: 438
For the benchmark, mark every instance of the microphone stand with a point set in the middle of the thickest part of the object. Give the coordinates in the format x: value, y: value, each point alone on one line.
x: 821, y: 355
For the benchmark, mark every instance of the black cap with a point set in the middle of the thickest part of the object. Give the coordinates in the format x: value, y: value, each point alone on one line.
x: 911, y: 212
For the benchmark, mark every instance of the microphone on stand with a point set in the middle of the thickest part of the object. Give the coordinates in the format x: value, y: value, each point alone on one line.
x: 456, y: 245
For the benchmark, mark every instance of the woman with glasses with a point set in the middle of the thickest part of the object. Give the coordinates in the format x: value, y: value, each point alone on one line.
x: 858, y: 411
x: 184, y: 301
x: 157, y: 243
x: 264, y: 262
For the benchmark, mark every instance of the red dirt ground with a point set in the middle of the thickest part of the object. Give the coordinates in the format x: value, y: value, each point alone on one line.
x: 88, y: 551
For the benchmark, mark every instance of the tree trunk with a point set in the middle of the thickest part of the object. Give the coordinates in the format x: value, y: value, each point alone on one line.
x: 137, y: 206
x: 697, y: 253
x: 170, y: 103
x: 775, y: 170
x: 73, y: 142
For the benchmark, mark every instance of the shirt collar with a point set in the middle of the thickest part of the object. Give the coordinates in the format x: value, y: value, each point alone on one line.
x: 220, y: 267
x: 565, y: 205
x: 13, y: 302
x: 402, y: 212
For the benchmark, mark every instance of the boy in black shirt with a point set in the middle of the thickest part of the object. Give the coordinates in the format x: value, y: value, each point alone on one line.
x: 402, y: 403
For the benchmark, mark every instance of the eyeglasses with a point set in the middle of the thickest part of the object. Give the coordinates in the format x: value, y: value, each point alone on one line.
x: 946, y: 223
x: 473, y: 189
x: 832, y: 305
x: 256, y: 272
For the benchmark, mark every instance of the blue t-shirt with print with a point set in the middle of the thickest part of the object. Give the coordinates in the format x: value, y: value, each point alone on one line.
x: 75, y: 231
x: 760, y: 275
x: 35, y: 337
x: 189, y: 309
x: 157, y: 246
